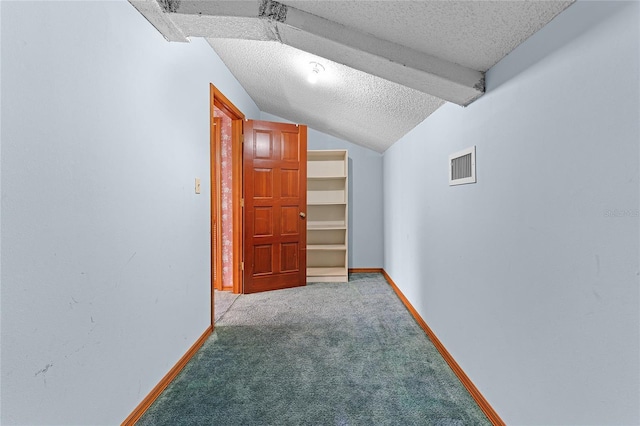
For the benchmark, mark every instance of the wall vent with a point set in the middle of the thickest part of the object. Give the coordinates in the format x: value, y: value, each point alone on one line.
x: 462, y: 167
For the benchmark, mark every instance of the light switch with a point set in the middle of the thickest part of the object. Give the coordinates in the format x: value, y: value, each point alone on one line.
x: 197, y: 185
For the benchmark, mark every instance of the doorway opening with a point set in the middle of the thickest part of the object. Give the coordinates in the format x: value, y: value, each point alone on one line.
x: 273, y: 181
x: 226, y: 194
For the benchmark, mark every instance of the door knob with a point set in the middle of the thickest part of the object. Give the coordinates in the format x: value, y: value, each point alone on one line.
x: 303, y: 215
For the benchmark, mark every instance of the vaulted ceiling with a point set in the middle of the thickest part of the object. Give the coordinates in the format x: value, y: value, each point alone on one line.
x: 384, y: 65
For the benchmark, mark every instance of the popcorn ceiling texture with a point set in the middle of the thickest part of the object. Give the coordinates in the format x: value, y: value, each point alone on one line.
x: 361, y: 107
x: 345, y: 103
x: 476, y: 34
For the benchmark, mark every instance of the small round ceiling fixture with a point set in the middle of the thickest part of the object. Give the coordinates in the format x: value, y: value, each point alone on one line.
x: 316, y: 70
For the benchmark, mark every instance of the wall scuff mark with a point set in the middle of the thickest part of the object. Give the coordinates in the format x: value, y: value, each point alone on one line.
x: 44, y: 373
x: 131, y: 258
x: 44, y: 370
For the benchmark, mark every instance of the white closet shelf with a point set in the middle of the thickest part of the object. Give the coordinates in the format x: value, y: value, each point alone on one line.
x: 327, y: 216
x: 327, y: 203
x: 326, y: 247
x: 326, y: 272
x: 321, y: 227
x: 325, y: 177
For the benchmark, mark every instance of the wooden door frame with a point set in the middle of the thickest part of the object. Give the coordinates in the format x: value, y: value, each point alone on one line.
x: 216, y: 210
x: 217, y: 99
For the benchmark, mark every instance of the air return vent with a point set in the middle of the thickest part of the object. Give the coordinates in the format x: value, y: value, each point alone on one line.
x: 462, y: 167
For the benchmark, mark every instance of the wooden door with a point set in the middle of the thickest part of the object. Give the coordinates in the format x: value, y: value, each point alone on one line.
x: 275, y: 202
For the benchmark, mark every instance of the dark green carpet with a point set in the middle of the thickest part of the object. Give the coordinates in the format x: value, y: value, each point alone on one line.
x: 324, y: 354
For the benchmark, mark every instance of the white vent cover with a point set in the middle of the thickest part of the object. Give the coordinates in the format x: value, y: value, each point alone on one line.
x: 462, y: 167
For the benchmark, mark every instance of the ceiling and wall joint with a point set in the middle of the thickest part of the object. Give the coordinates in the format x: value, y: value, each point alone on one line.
x: 389, y: 64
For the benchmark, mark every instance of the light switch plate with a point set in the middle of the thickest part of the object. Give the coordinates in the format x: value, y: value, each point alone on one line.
x: 197, y: 185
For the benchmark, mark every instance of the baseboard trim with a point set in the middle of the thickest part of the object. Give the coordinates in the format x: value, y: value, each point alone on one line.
x: 462, y: 376
x: 365, y: 270
x: 168, y: 378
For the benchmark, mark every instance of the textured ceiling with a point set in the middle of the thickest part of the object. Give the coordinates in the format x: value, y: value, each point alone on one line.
x: 476, y: 34
x: 389, y: 64
x: 345, y: 103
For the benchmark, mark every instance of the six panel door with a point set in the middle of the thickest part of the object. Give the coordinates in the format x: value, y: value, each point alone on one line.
x: 275, y: 200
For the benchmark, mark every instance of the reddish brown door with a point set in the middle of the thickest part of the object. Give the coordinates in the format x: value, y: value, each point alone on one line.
x: 275, y: 201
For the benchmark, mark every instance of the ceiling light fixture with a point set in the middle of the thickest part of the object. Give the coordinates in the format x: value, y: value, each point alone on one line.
x: 316, y: 69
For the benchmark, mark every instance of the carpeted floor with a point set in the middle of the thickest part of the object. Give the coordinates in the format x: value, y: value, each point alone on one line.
x: 223, y: 300
x: 324, y: 354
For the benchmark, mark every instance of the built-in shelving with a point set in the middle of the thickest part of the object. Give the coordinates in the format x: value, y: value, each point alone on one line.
x: 326, y: 247
x: 327, y: 216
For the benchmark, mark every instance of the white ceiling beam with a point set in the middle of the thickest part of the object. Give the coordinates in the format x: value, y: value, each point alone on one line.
x: 271, y: 20
x: 426, y: 73
x: 175, y: 19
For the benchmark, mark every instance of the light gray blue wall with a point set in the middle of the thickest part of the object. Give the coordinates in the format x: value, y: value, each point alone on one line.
x: 365, y: 197
x: 530, y: 277
x: 105, y: 260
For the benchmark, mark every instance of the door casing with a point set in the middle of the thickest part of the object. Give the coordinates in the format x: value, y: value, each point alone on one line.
x: 216, y: 208
x: 217, y: 99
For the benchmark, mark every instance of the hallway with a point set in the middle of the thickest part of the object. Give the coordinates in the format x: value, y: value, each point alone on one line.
x: 529, y: 278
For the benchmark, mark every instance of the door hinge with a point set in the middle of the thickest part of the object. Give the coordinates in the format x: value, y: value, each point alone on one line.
x: 241, y: 138
x: 242, y: 266
x: 241, y: 202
